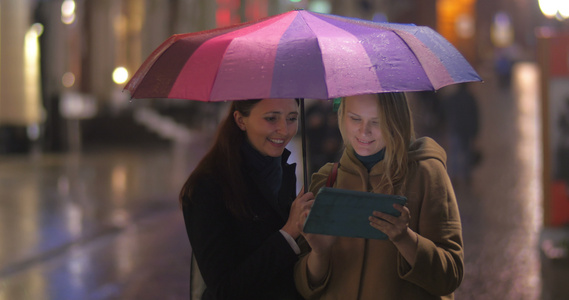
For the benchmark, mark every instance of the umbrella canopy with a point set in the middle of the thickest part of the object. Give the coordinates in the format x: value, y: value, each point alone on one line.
x: 300, y: 54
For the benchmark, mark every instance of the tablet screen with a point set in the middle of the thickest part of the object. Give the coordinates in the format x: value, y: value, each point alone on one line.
x: 343, y: 212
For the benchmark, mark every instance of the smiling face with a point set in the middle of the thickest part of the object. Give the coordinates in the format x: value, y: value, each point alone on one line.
x: 270, y: 126
x: 361, y: 124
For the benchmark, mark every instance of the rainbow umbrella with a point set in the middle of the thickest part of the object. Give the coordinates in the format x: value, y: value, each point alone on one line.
x: 300, y: 54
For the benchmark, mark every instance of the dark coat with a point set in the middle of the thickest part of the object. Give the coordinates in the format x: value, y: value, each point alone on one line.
x: 243, y: 259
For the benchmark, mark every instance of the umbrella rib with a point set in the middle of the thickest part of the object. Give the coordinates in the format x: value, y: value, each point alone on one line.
x: 320, y: 50
x: 134, y: 82
x: 395, y: 31
x: 438, y: 59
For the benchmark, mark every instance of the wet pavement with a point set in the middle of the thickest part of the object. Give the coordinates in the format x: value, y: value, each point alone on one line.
x: 501, y: 211
x: 105, y: 224
x: 91, y: 226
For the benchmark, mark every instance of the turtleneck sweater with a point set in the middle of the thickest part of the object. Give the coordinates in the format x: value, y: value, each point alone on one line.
x: 370, y: 160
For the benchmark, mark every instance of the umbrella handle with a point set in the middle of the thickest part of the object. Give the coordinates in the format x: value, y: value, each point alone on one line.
x: 303, y: 138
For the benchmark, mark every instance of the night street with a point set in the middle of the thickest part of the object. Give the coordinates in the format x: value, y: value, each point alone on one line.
x: 105, y: 223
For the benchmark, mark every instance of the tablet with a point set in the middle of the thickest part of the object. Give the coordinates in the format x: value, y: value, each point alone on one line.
x: 342, y: 212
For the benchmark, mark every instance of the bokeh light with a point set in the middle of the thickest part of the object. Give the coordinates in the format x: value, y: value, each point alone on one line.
x: 120, y: 75
x: 68, y: 79
x: 68, y: 12
x: 558, y: 9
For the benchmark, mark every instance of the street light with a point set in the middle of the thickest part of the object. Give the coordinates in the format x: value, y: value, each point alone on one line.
x: 558, y: 9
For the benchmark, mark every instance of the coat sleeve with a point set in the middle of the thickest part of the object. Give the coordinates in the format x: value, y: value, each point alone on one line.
x: 228, y: 272
x: 439, y: 263
x: 300, y: 270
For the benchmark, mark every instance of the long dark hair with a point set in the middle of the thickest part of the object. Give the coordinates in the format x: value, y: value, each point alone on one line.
x: 224, y: 162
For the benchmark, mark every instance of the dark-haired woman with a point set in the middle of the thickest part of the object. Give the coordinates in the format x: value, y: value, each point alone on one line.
x: 239, y: 204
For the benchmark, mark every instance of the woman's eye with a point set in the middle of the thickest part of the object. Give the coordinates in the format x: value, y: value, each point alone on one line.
x: 355, y: 119
x: 271, y: 119
x: 293, y: 119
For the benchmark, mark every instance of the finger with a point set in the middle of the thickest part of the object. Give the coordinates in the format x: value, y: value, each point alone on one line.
x: 379, y: 222
x: 306, y: 206
x: 380, y: 225
x: 386, y: 217
x: 406, y: 211
x: 374, y: 221
x: 308, y: 196
x: 309, y: 203
x: 398, y: 207
x: 301, y: 192
x: 403, y: 210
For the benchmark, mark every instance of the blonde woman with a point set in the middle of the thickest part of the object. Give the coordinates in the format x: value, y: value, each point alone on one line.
x: 423, y: 255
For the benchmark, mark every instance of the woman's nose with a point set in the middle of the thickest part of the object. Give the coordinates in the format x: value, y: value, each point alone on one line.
x: 282, y: 127
x: 365, y: 128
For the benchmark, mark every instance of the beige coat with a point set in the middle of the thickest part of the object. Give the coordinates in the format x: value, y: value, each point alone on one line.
x: 373, y: 269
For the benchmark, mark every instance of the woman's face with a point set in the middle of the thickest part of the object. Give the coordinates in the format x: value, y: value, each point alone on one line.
x: 271, y: 125
x: 361, y: 124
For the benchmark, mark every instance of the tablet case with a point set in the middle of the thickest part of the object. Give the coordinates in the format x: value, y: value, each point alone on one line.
x: 343, y: 212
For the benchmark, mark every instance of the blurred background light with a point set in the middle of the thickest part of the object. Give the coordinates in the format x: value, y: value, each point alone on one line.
x: 68, y: 7
x: 37, y: 28
x: 68, y: 12
x: 68, y: 19
x: 564, y: 9
x: 33, y: 132
x: 558, y: 9
x: 465, y: 26
x: 32, y: 76
x: 320, y: 6
x: 502, y: 32
x: 120, y: 75
x: 68, y: 79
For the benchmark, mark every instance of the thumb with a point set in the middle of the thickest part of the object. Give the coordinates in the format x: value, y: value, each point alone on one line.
x: 301, y: 193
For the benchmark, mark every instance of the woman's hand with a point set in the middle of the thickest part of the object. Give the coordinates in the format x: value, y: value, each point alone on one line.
x: 319, y: 243
x: 319, y: 257
x: 298, y: 206
x: 398, y: 231
x: 394, y: 227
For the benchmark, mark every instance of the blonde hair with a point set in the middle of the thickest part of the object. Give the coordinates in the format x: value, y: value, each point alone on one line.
x: 397, y: 129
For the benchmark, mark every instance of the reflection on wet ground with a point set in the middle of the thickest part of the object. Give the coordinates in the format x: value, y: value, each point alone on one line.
x: 106, y: 224
x: 501, y: 212
x: 93, y: 225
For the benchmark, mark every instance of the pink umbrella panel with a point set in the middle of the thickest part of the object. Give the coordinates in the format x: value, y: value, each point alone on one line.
x: 300, y: 54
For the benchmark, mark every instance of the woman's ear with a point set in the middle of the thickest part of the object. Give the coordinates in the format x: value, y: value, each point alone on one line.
x: 238, y: 117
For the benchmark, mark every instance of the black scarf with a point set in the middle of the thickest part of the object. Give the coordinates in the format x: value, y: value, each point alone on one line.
x: 370, y: 160
x: 266, y: 171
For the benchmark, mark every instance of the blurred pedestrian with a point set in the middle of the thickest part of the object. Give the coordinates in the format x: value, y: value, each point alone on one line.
x: 239, y: 204
x: 428, y: 114
x: 423, y: 256
x: 504, y: 60
x: 462, y: 120
x: 324, y: 141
